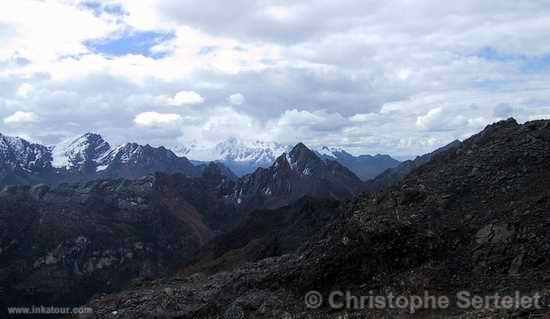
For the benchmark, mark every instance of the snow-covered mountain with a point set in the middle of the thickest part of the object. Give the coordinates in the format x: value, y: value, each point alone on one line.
x: 89, y: 156
x: 132, y: 160
x: 17, y: 152
x: 86, y: 157
x: 244, y: 157
x: 241, y: 157
x: 23, y: 162
x: 85, y: 152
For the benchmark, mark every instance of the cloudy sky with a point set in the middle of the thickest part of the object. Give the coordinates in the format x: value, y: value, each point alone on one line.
x: 399, y: 77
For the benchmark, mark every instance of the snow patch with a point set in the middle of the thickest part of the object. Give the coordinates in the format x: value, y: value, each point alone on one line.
x: 78, y: 150
x: 235, y: 150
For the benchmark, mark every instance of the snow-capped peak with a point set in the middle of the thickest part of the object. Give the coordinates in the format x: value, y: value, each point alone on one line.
x: 329, y: 151
x: 9, y: 142
x: 16, y: 151
x: 249, y: 151
x: 235, y: 150
x: 76, y: 151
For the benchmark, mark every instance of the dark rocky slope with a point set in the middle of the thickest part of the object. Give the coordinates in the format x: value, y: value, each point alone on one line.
x: 392, y: 176
x: 263, y: 234
x: 58, y: 246
x: 295, y: 175
x: 474, y: 218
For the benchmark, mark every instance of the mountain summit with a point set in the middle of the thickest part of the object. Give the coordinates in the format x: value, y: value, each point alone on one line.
x: 296, y: 174
x: 83, y: 153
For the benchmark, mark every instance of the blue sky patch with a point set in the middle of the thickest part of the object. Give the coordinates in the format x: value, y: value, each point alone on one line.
x: 491, y: 84
x: 98, y: 9
x: 131, y: 43
x: 114, y: 9
x: 526, y: 63
x: 491, y: 54
x: 536, y: 64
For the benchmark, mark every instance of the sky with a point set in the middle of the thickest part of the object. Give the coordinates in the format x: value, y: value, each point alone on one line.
x: 400, y: 77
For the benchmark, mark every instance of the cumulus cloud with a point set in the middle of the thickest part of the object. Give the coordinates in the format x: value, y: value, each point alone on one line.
x: 319, y: 120
x: 236, y: 99
x: 431, y: 119
x: 186, y: 98
x: 155, y: 118
x: 21, y: 117
x: 40, y: 35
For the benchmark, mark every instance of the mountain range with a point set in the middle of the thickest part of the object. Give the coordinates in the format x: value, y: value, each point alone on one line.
x: 244, y: 157
x: 90, y: 156
x: 145, y: 233
x: 84, y: 158
x: 293, y: 174
x: 472, y: 218
x: 366, y: 167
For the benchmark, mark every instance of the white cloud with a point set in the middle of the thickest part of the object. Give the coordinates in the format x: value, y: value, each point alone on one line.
x: 222, y: 122
x: 21, y: 117
x: 430, y: 119
x: 41, y: 33
x: 236, y: 99
x: 320, y: 120
x: 313, y: 128
x: 186, y: 98
x: 399, y: 77
x: 155, y: 118
x: 24, y: 90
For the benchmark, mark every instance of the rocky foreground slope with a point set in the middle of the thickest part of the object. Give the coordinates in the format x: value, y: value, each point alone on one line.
x: 264, y: 233
x: 392, y: 176
x: 59, y: 246
x: 474, y: 218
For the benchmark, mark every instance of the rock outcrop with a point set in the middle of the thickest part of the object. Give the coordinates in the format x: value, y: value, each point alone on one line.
x: 60, y: 245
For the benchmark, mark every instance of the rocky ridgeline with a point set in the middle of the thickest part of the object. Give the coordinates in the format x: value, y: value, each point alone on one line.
x: 299, y: 173
x: 366, y: 167
x: 473, y: 218
x: 85, y: 158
